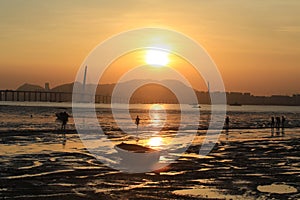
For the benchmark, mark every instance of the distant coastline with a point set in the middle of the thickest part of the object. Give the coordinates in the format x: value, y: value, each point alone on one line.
x: 152, y: 93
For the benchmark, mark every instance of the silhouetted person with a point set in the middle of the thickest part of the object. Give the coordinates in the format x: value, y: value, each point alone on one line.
x: 282, y: 121
x: 272, y: 125
x: 272, y: 122
x: 227, y: 123
x: 277, y: 125
x: 282, y: 124
x: 64, y: 117
x: 137, y: 121
x: 277, y: 122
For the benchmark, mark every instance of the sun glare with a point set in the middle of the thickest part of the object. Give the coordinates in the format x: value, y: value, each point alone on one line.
x: 155, y: 141
x: 157, y: 58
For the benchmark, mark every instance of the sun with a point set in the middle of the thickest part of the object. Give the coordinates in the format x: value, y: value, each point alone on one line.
x: 157, y: 58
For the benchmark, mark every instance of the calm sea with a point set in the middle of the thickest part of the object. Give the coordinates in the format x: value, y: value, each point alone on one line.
x: 33, y: 116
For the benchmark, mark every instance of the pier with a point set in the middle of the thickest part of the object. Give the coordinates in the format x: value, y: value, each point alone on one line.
x: 46, y: 96
x: 42, y: 96
x: 50, y: 96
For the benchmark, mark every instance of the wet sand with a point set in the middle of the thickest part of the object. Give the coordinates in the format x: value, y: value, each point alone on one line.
x: 36, y: 165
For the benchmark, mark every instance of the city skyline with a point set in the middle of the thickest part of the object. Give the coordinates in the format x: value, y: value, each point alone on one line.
x: 254, y: 44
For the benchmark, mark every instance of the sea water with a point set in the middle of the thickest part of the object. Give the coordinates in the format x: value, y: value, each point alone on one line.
x: 29, y: 116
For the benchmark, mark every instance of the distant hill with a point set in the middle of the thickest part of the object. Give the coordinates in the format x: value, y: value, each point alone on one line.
x: 157, y: 91
x: 68, y: 87
x: 30, y: 87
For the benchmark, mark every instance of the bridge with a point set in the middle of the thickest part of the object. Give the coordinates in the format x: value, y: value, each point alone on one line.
x: 51, y: 96
x: 44, y: 96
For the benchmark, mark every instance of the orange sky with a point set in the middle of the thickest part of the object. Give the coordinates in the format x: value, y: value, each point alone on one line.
x: 255, y: 44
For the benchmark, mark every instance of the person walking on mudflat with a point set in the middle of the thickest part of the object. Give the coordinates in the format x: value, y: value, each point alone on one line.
x: 64, y: 118
x: 282, y: 122
x: 227, y: 123
x: 272, y: 122
x: 137, y: 121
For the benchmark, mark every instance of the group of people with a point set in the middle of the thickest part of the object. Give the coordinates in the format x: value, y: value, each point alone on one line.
x: 277, y: 122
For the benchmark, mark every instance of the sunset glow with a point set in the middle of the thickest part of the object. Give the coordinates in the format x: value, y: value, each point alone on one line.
x: 157, y: 58
x: 43, y: 42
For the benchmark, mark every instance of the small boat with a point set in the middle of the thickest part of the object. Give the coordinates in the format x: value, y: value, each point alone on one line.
x: 235, y: 104
x: 195, y: 105
x: 134, y: 155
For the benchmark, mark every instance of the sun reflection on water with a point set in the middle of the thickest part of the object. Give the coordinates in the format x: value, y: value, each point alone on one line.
x: 155, y: 142
x: 157, y: 115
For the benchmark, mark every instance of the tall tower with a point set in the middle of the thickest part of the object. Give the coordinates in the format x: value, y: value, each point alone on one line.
x: 47, y: 86
x: 208, y: 87
x: 84, y: 79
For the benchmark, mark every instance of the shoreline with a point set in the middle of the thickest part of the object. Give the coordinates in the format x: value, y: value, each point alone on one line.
x: 68, y: 104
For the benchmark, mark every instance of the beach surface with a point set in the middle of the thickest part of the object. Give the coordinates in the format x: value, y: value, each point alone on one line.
x: 50, y: 165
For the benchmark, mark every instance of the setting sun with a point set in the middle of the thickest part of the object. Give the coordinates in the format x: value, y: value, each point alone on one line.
x: 157, y: 58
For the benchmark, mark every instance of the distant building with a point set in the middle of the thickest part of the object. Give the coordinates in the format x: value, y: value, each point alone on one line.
x: 47, y: 86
